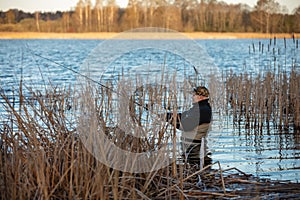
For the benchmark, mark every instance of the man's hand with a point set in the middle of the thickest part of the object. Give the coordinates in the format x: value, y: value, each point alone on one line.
x: 169, y: 116
x: 166, y: 116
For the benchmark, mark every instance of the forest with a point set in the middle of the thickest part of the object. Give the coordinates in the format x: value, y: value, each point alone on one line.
x: 267, y: 16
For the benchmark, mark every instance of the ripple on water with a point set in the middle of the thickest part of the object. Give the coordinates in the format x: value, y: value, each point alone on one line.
x: 270, y: 154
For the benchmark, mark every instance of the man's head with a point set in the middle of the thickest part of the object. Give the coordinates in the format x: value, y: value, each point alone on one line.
x: 200, y: 93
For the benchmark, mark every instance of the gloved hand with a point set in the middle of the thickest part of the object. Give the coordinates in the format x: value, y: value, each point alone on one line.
x: 169, y: 116
x: 166, y: 116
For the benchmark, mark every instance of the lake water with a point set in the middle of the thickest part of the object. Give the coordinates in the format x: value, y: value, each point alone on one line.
x: 274, y: 155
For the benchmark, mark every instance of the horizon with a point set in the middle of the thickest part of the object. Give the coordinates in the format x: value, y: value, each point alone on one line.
x: 68, y: 5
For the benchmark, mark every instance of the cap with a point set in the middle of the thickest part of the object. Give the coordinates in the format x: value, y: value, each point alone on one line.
x: 201, y: 91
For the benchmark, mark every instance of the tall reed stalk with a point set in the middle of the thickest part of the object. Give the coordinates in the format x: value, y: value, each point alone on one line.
x: 269, y: 98
x: 44, y: 157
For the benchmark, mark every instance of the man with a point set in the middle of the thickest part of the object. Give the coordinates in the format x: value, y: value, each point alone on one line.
x: 195, y: 124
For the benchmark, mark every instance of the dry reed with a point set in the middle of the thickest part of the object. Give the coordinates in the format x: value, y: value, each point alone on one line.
x: 269, y: 99
x: 43, y: 157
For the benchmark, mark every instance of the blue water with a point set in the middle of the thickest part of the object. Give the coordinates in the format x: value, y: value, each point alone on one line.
x: 41, y: 63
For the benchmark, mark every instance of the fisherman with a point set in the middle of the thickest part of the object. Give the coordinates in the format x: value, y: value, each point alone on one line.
x: 194, y: 124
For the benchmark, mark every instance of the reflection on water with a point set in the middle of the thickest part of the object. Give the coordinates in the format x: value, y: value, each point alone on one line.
x: 271, y: 153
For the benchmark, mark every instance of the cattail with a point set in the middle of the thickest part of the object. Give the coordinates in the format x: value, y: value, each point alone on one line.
x: 284, y: 42
x: 46, y: 157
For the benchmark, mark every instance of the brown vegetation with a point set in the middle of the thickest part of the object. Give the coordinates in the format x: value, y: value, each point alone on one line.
x: 271, y: 98
x: 43, y: 157
x: 110, y: 35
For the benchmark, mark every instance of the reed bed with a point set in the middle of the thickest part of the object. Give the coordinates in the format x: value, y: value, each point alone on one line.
x: 43, y: 157
x: 268, y: 99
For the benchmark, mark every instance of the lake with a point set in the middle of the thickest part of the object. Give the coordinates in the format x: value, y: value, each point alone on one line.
x: 274, y: 155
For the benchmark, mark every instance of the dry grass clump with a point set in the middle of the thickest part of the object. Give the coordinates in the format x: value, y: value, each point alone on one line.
x: 268, y: 100
x: 43, y: 157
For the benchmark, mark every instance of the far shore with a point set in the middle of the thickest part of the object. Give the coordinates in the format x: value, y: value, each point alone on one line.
x: 140, y: 35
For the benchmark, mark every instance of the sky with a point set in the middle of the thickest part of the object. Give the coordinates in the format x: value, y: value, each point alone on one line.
x: 65, y: 5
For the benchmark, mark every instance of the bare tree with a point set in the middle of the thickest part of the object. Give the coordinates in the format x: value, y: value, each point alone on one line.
x: 79, y: 14
x: 66, y: 22
x: 296, y: 16
x: 87, y: 14
x: 10, y: 17
x: 133, y: 13
x: 100, y: 14
x: 111, y: 13
x: 37, y: 18
x: 144, y: 10
x: 266, y: 8
x: 152, y: 6
x: 201, y: 15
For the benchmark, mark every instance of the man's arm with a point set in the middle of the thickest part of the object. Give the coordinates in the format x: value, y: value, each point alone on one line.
x: 170, y: 117
x: 190, y: 119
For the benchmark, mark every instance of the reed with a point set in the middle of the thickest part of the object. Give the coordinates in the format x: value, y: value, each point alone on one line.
x: 270, y: 98
x: 43, y: 157
x: 265, y: 100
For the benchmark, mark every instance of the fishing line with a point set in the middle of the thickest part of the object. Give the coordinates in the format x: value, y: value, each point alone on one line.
x: 102, y: 85
x: 82, y: 75
x: 72, y: 70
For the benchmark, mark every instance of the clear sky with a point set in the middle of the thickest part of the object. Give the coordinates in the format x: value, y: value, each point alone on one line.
x: 64, y: 5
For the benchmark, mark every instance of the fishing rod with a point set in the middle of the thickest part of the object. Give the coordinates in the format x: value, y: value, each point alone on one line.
x: 99, y: 83
x: 74, y: 71
x: 84, y: 76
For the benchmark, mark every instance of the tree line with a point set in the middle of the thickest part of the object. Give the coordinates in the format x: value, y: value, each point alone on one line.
x: 267, y: 16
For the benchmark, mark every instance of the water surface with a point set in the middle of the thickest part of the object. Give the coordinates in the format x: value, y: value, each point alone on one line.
x: 271, y: 154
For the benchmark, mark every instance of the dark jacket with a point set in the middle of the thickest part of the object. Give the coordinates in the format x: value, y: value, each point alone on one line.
x: 198, y: 114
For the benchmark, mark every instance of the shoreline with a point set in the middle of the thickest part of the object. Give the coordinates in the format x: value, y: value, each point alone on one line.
x: 139, y: 35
